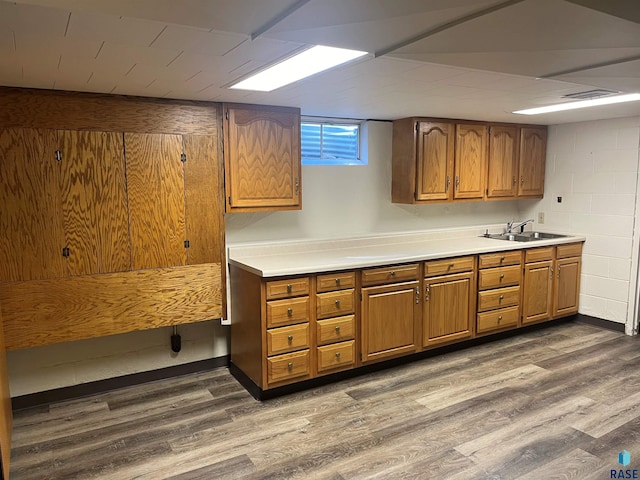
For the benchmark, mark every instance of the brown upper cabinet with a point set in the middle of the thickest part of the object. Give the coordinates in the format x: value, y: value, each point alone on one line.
x: 439, y: 160
x: 262, y: 158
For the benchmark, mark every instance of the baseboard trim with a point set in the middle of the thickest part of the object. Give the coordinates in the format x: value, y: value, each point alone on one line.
x: 599, y: 322
x: 108, y: 384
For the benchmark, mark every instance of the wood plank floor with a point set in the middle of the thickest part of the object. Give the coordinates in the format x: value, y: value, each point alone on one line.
x: 555, y: 403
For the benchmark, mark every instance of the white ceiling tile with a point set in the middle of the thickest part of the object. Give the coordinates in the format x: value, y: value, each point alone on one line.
x: 153, y: 57
x: 112, y: 28
x: 197, y: 40
x: 51, y: 22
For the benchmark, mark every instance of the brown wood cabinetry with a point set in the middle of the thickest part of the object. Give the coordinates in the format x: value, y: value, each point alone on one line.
x: 439, y: 160
x: 6, y: 414
x: 566, y: 291
x: 499, y: 291
x: 262, y: 158
x: 470, y: 160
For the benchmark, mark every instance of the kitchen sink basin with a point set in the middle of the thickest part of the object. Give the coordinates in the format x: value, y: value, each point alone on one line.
x: 524, y: 237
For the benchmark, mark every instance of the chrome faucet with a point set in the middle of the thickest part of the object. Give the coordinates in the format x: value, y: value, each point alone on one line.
x: 511, y: 226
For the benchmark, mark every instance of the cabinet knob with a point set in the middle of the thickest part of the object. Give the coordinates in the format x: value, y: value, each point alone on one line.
x: 501, y: 297
x: 501, y: 259
x: 337, y: 303
x: 451, y: 265
x: 338, y: 355
x: 393, y: 273
x: 289, y: 311
x: 522, y: 181
x: 289, y: 288
x: 501, y: 276
x: 290, y: 338
x: 337, y: 328
x: 337, y: 282
x: 290, y: 365
x: 499, y: 318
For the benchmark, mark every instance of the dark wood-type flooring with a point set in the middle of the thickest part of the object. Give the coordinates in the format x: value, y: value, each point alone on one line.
x: 558, y: 402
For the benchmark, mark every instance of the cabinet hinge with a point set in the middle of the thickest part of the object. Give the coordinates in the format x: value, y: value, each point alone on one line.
x: 226, y: 114
x: 360, y: 356
x: 360, y: 296
x: 183, y: 157
x: 58, y: 155
x: 187, y: 244
x: 229, y: 199
x: 417, y: 127
x: 66, y: 252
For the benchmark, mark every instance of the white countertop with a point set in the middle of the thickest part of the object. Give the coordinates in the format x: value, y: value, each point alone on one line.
x: 293, y: 258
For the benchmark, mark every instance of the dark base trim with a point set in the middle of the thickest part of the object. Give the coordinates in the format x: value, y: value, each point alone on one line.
x: 260, y: 394
x: 108, y: 384
x: 599, y: 322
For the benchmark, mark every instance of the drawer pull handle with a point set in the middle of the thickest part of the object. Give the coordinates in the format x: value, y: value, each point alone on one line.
x: 337, y: 303
x: 338, y: 355
x: 501, y: 297
x: 501, y: 259
x: 502, y: 276
x: 290, y: 365
x: 337, y: 282
x: 393, y: 273
x: 499, y: 318
x: 338, y: 329
x: 289, y: 288
x: 290, y: 338
x: 289, y: 311
x: 451, y: 265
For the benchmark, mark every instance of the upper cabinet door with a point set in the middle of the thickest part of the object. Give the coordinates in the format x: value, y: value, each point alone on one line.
x: 470, y: 160
x: 533, y: 151
x: 503, y: 162
x: 435, y: 146
x: 94, y: 202
x: 262, y: 158
x: 31, y: 234
x: 155, y: 180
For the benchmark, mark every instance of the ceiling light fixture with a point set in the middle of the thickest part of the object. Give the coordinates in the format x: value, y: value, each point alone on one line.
x: 631, y: 97
x: 304, y: 64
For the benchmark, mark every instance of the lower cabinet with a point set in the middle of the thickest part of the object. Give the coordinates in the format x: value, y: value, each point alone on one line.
x: 289, y: 329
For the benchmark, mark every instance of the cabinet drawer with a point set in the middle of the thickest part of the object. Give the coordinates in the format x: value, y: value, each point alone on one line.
x: 400, y: 273
x: 287, y: 312
x: 499, y: 277
x: 338, y: 355
x: 287, y: 339
x: 335, y: 329
x: 538, y: 254
x: 496, y: 319
x: 569, y: 250
x: 448, y: 265
x: 498, y: 298
x: 501, y: 259
x: 289, y: 365
x: 335, y: 303
x: 335, y: 281
x: 289, y: 287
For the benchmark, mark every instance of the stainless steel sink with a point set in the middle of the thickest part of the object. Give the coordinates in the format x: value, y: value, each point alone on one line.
x: 524, y: 237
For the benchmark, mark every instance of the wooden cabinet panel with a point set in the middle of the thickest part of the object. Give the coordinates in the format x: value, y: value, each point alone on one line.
x: 500, y: 259
x: 336, y: 329
x: 398, y: 273
x: 289, y: 287
x: 204, y: 199
x: 336, y: 356
x: 94, y: 202
x: 538, y: 254
x: 569, y: 250
x: 262, y: 158
x: 470, y: 160
x: 390, y: 316
x: 533, y: 151
x: 287, y: 312
x: 498, y: 298
x: 503, y: 162
x: 498, y: 319
x: 333, y: 304
x: 6, y: 414
x: 499, y: 277
x: 288, y: 366
x: 567, y: 286
x: 287, y: 339
x: 448, y: 308
x: 449, y: 265
x: 32, y: 236
x: 537, y: 291
x: 155, y: 180
x: 335, y: 281
x: 435, y: 160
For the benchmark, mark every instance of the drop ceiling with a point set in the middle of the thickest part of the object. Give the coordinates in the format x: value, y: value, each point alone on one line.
x: 473, y: 59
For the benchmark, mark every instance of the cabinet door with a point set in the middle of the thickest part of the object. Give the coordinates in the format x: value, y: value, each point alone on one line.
x: 31, y: 234
x: 94, y: 202
x: 537, y: 292
x: 567, y: 286
x: 204, y: 195
x: 435, y: 161
x: 262, y: 158
x: 390, y: 315
x: 448, y: 309
x: 533, y: 152
x: 155, y: 181
x: 503, y: 162
x: 470, y: 160
x: 6, y: 414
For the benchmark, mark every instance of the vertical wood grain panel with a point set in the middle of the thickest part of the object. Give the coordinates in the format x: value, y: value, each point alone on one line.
x: 503, y: 162
x: 435, y: 161
x: 155, y: 181
x: 95, y: 202
x: 6, y: 415
x: 533, y: 153
x: 471, y: 160
x: 203, y: 204
x: 31, y: 234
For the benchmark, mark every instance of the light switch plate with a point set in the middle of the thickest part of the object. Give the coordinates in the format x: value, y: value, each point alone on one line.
x: 540, y: 217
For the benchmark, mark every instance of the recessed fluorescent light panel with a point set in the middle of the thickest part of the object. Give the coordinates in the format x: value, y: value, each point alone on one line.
x: 309, y: 62
x: 632, y: 97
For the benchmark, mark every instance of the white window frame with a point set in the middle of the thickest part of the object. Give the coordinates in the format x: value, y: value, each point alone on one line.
x: 313, y: 161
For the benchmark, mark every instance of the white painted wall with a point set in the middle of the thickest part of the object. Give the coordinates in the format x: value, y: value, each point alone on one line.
x: 593, y: 166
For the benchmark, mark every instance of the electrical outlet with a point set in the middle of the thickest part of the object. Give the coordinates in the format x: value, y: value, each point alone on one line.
x: 540, y: 217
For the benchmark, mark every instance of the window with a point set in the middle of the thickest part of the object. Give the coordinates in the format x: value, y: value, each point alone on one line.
x: 330, y: 142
